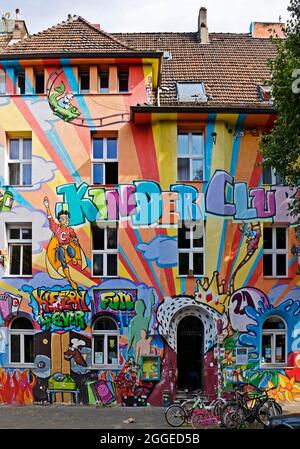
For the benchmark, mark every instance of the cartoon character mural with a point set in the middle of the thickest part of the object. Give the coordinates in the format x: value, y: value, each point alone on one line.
x: 60, y: 102
x: 6, y: 201
x: 64, y: 250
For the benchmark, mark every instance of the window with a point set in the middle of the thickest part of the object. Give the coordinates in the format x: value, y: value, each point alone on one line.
x: 275, y: 251
x: 191, y: 249
x: 20, y: 162
x: 105, y: 248
x: 274, y: 341
x: 19, y: 249
x: 103, y: 82
x: 84, y: 82
x: 20, y: 83
x: 39, y: 83
x: 190, y: 157
x: 105, y: 342
x: 21, y: 342
x: 123, y: 81
x: 270, y: 176
x: 188, y: 92
x: 105, y: 160
x: 2, y: 82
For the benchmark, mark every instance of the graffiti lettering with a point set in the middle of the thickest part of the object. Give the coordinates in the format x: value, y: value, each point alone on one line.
x: 122, y: 300
x: 49, y: 301
x: 62, y: 320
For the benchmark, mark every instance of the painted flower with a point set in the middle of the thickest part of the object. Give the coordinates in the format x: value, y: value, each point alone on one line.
x: 287, y: 390
x: 228, y: 359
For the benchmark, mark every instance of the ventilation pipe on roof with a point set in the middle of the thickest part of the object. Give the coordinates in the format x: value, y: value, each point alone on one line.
x: 202, y: 26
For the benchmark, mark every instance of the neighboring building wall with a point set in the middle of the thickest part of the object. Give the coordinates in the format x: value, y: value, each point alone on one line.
x: 147, y: 298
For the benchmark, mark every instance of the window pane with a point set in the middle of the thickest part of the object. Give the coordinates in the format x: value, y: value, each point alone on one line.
x: 99, y: 349
x: 28, y: 348
x: 280, y: 264
x: 274, y: 323
x: 281, y: 238
x: 197, y: 169
x: 27, y: 260
x: 267, y: 175
x: 112, y: 264
x: 112, y: 152
x: 198, y: 236
x: 27, y: 180
x: 84, y: 82
x: 21, y: 323
x: 98, y: 265
x: 14, y: 233
x: 112, y: 349
x: 268, y: 265
x: 39, y: 83
x: 104, y: 83
x: 198, y: 266
x: 266, y: 349
x: 2, y: 82
x: 14, y: 174
x: 183, y: 169
x: 98, y: 173
x: 105, y: 323
x: 15, y: 259
x: 183, y: 263
x: 26, y: 233
x: 183, y: 144
x: 15, y: 349
x: 98, y: 148
x: 21, y: 83
x: 27, y: 149
x: 97, y: 237
x: 112, y: 238
x: 111, y: 173
x: 14, y: 149
x: 184, y: 238
x: 123, y: 82
x: 197, y: 144
x: 280, y: 349
x: 268, y: 238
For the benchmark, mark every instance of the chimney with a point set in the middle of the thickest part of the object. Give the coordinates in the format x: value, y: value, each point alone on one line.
x: 267, y: 29
x: 202, y: 26
x: 20, y: 30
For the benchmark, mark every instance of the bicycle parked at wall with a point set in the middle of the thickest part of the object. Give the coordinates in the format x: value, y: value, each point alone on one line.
x: 250, y: 406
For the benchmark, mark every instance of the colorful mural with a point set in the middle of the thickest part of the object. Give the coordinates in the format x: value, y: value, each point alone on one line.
x: 147, y: 298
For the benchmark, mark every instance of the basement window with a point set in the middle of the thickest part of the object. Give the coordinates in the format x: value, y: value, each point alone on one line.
x: 191, y: 92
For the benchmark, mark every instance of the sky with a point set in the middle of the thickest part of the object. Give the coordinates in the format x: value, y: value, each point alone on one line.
x: 149, y: 15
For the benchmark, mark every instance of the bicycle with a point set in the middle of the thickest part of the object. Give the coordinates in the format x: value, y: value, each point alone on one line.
x: 250, y: 406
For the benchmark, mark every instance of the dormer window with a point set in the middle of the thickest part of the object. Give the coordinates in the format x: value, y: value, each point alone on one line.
x: 265, y: 93
x: 191, y: 92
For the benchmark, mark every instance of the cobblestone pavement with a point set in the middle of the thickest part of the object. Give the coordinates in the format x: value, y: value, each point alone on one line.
x: 89, y: 417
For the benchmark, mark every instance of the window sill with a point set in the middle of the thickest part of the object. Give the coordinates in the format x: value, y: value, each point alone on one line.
x: 191, y: 277
x: 106, y: 276
x: 278, y: 277
x: 21, y: 365
x: 188, y: 181
x: 17, y: 276
x: 276, y: 366
x: 106, y: 367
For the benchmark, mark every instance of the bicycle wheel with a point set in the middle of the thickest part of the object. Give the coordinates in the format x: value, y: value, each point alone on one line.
x: 203, y: 420
x: 175, y: 415
x: 218, y: 407
x: 267, y: 410
x: 232, y: 416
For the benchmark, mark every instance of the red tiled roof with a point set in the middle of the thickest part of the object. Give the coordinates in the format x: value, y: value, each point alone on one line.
x: 231, y: 65
x: 75, y: 36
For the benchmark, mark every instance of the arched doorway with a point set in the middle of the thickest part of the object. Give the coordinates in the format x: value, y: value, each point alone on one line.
x: 190, y: 335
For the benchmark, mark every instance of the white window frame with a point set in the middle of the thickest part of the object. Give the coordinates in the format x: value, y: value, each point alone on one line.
x: 274, y: 181
x: 105, y: 159
x: 106, y: 334
x: 190, y: 156
x: 21, y: 161
x: 273, y: 333
x: 17, y: 242
x: 21, y: 333
x: 84, y: 91
x: 274, y: 251
x: 106, y: 250
x: 193, y: 250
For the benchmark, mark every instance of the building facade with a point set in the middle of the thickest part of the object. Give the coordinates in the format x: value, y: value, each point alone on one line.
x: 143, y: 248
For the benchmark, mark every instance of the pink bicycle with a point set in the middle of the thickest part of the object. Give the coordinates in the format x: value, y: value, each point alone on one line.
x: 204, y: 419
